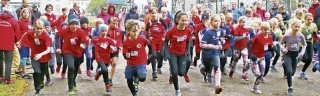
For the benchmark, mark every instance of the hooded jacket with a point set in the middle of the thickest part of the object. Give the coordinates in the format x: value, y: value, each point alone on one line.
x: 114, y: 13
x: 312, y: 10
x: 121, y: 19
x: 13, y: 13
x: 273, y: 11
x: 9, y: 33
x: 131, y: 14
x: 103, y: 16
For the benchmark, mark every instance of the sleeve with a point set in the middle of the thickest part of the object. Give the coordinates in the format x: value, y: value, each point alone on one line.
x: 17, y: 32
x: 48, y: 40
x: 189, y: 36
x: 304, y: 44
x: 168, y: 35
x: 163, y: 23
x: 146, y: 42
x: 148, y: 27
x: 228, y: 34
x: 125, y: 48
x: 61, y: 32
x: 82, y: 36
x: 93, y: 42
x: 205, y: 38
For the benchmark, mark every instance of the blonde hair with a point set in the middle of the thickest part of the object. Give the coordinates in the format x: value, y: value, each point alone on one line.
x: 75, y: 4
x: 295, y: 22
x: 43, y: 18
x: 255, y: 23
x: 99, y: 20
x: 23, y: 10
x: 114, y: 19
x: 133, y: 23
x: 242, y: 18
x: 214, y: 16
x: 249, y: 10
x: 38, y: 23
x: 198, y: 6
x: 265, y: 25
x: 194, y: 10
x: 275, y: 21
x: 164, y: 9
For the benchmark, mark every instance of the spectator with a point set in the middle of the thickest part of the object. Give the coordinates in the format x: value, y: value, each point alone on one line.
x: 75, y: 10
x: 199, y: 8
x: 147, y: 16
x: 25, y: 4
x: 236, y: 12
x: 103, y: 15
x: 111, y: 12
x: 35, y: 15
x: 274, y: 8
x: 312, y: 8
x: 132, y: 13
x: 242, y: 8
x: 122, y: 15
x: 5, y: 3
x: 260, y: 11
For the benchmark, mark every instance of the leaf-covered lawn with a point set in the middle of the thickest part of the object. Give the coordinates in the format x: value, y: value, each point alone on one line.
x: 19, y: 88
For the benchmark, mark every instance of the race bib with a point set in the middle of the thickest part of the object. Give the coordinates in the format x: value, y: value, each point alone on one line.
x: 265, y: 47
x: 56, y: 30
x: 309, y: 36
x: 36, y: 40
x: 104, y: 45
x: 180, y: 39
x: 134, y: 53
x: 87, y: 37
x: 294, y: 45
x: 244, y: 35
x: 29, y: 27
x: 218, y: 33
x: 73, y: 41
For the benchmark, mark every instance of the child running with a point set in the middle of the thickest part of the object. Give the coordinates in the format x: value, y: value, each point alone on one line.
x: 199, y: 27
x: 211, y: 42
x: 40, y: 45
x: 87, y: 31
x: 135, y: 53
x: 293, y: 38
x: 51, y: 62
x: 105, y: 46
x: 257, y: 48
x: 59, y: 55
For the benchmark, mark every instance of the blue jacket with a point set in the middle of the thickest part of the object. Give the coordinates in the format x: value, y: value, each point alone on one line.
x: 236, y: 14
x: 131, y: 14
x: 211, y: 36
x: 52, y: 35
x: 95, y: 32
x: 227, y: 34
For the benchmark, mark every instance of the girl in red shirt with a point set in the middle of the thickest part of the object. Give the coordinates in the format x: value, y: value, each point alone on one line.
x: 50, y: 16
x: 72, y: 48
x: 115, y: 34
x: 179, y: 48
x: 40, y: 44
x: 62, y: 18
x: 241, y: 37
x: 87, y: 31
x: 156, y: 27
x: 104, y: 47
x: 257, y: 47
x: 135, y: 53
x: 24, y: 51
x: 59, y: 55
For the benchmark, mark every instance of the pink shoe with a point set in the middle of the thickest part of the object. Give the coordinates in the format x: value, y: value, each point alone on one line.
x: 186, y: 78
x: 89, y: 73
x: 79, y: 71
x: 58, y: 69
x: 63, y: 75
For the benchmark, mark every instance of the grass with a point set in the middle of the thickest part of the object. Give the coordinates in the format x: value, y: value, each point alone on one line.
x: 19, y: 88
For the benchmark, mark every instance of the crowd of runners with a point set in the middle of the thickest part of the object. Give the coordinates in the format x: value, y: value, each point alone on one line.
x: 58, y: 45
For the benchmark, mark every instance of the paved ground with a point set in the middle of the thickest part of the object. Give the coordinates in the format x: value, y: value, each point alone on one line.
x: 275, y: 85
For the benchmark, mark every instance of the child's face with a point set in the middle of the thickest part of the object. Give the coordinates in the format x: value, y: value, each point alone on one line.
x: 84, y: 25
x: 64, y: 12
x: 194, y: 13
x: 309, y: 19
x: 265, y: 30
x: 38, y: 29
x: 242, y: 23
x: 47, y: 28
x: 73, y: 27
x: 103, y: 32
x: 183, y: 20
x: 295, y: 27
x: 163, y: 13
x: 26, y: 14
x: 134, y: 32
x: 154, y: 14
x: 49, y: 9
x: 215, y: 23
x: 223, y: 20
x: 299, y: 15
x: 114, y: 24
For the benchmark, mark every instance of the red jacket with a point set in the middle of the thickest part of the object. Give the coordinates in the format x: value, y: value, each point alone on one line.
x: 261, y: 13
x: 199, y: 27
x: 9, y: 33
x: 196, y: 20
x: 60, y: 20
x: 25, y: 26
x: 115, y: 34
x: 87, y: 34
x: 52, y: 19
x: 312, y: 10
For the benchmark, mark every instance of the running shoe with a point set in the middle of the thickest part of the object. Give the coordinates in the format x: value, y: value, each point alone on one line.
x: 79, y: 71
x: 70, y: 92
x: 89, y: 74
x: 110, y: 82
x: 48, y: 82
x: 186, y: 78
x: 262, y: 80
x: 159, y: 71
x: 37, y: 93
x: 170, y: 80
x: 9, y: 82
x: 26, y: 76
x: 63, y: 75
x: 290, y: 91
x: 18, y: 73
x: 108, y: 88
x: 256, y: 90
x: 178, y: 93
x: 154, y: 75
x: 230, y: 74
x: 58, y: 69
x: 218, y: 89
x: 303, y: 76
x: 209, y: 78
x: 97, y: 75
x: 273, y: 68
x: 245, y: 77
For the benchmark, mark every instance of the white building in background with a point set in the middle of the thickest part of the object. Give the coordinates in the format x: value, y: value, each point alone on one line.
x: 59, y: 4
x: 17, y: 3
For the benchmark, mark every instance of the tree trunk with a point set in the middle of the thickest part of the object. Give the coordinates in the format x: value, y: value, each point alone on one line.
x: 289, y: 7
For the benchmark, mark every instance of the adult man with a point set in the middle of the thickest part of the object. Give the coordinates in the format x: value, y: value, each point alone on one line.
x: 35, y: 13
x: 274, y: 8
x: 25, y: 4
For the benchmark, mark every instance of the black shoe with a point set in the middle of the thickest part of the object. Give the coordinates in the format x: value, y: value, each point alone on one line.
x: 154, y: 75
x: 42, y: 85
x: 209, y: 77
x: 110, y: 82
x: 26, y: 76
x: 18, y: 72
x: 205, y: 78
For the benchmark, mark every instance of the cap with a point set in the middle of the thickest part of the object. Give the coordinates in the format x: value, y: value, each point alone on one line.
x: 204, y: 16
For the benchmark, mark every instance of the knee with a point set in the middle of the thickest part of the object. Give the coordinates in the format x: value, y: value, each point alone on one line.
x: 142, y: 77
x: 114, y: 64
x: 181, y: 73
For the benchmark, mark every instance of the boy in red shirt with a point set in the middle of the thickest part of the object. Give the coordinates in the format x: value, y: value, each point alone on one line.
x: 199, y: 27
x: 59, y: 55
x: 116, y: 35
x: 40, y: 44
x: 104, y: 47
x: 135, y: 53
x: 61, y: 19
x: 156, y: 27
x: 87, y: 31
x: 72, y: 48
x: 257, y: 47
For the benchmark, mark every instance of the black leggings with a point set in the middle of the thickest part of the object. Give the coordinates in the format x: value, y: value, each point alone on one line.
x: 177, y: 67
x: 104, y: 72
x: 290, y: 65
x: 73, y: 66
x: 60, y: 61
x: 307, y: 57
x: 195, y: 62
x: 276, y: 57
x: 92, y: 59
x: 156, y: 57
x: 8, y: 57
x: 39, y: 70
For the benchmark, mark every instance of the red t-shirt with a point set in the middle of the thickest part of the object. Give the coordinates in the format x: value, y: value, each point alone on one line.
x: 240, y: 31
x: 260, y: 45
x: 196, y: 20
x: 137, y: 50
x: 72, y: 41
x: 39, y: 44
x: 87, y: 34
x: 52, y: 19
x: 198, y: 28
x: 25, y: 26
x: 157, y: 31
x: 115, y: 34
x: 167, y: 20
x: 178, y: 40
x: 102, y: 49
x: 60, y: 20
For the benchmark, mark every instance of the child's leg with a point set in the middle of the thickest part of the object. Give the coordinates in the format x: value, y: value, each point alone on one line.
x: 129, y: 71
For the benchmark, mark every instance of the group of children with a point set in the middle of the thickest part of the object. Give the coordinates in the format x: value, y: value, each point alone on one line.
x: 215, y: 38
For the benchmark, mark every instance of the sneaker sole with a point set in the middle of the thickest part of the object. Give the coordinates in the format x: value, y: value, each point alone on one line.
x: 256, y: 91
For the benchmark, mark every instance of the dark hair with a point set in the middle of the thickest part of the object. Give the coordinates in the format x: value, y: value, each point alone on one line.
x: 49, y: 5
x: 229, y: 11
x: 64, y: 9
x: 178, y: 15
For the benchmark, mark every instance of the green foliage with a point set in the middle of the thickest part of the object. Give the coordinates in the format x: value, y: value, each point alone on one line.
x: 19, y: 88
x: 96, y: 4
